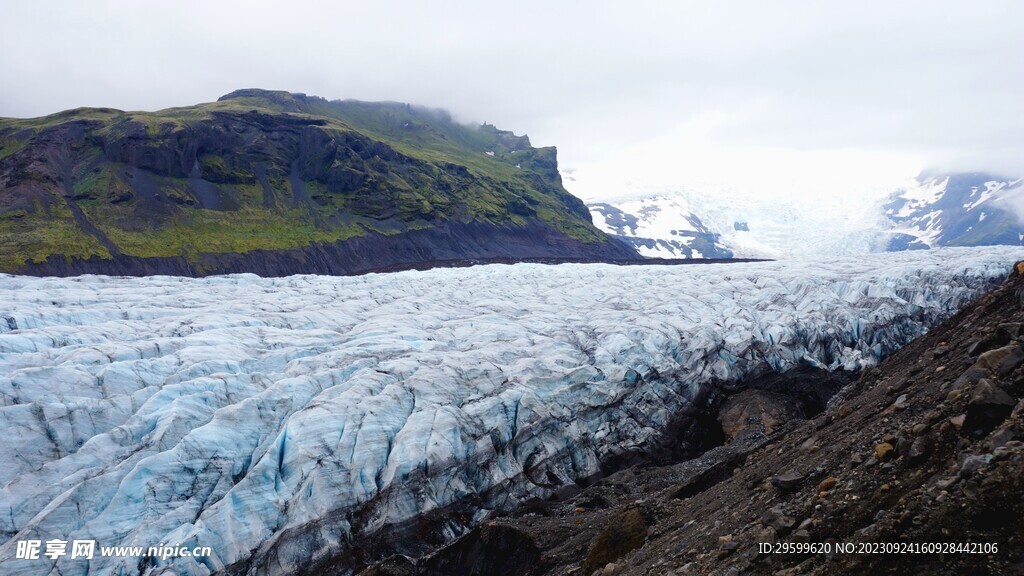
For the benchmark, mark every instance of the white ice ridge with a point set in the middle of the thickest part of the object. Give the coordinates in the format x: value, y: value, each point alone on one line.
x: 255, y: 415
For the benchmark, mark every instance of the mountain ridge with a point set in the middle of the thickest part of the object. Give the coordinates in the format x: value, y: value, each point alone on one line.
x: 659, y: 228
x: 954, y: 209
x: 295, y: 178
x: 935, y: 209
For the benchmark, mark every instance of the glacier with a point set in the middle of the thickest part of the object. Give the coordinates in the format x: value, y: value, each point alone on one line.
x: 275, y: 419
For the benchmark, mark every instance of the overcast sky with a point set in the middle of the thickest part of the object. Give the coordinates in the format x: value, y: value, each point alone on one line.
x: 783, y: 95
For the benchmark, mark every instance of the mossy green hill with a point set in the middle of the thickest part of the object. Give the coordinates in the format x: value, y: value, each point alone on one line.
x: 277, y: 183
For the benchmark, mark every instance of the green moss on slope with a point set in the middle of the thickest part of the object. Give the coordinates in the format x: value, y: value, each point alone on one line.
x: 36, y: 236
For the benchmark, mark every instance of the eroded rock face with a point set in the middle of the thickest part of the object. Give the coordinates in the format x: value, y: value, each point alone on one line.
x: 755, y: 411
x: 284, y: 422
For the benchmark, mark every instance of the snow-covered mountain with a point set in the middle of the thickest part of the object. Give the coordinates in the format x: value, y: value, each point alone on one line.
x: 659, y: 227
x: 963, y: 209
x: 708, y: 223
x: 280, y: 420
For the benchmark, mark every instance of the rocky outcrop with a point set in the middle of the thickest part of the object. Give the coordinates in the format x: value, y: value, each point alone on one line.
x: 755, y: 412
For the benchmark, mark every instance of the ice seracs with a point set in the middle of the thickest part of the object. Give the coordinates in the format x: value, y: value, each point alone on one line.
x: 273, y: 419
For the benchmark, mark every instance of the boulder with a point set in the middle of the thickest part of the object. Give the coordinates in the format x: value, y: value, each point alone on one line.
x: 1000, y: 337
x: 787, y: 480
x: 883, y: 450
x: 919, y: 449
x: 777, y: 519
x: 974, y: 463
x: 1001, y: 360
x: 969, y: 378
x: 988, y: 407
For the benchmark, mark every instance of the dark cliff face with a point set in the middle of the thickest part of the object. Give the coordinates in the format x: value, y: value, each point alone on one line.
x: 277, y: 183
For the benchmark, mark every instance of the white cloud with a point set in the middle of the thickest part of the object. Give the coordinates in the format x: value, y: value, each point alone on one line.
x: 787, y: 90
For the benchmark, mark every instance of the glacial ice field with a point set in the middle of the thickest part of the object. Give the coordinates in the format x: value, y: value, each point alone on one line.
x: 272, y: 418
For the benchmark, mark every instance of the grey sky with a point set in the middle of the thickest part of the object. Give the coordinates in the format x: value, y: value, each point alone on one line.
x: 908, y: 83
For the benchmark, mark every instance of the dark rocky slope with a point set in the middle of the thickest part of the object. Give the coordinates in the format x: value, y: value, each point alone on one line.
x: 928, y: 447
x: 278, y: 183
